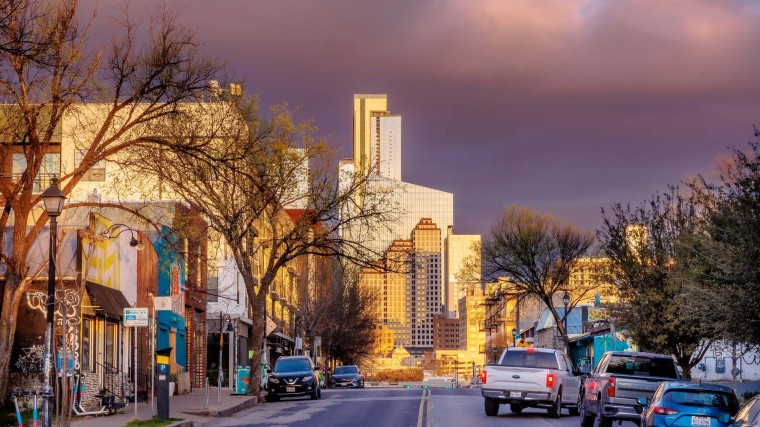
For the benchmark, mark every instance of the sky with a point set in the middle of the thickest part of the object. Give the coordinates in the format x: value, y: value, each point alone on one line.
x: 564, y: 106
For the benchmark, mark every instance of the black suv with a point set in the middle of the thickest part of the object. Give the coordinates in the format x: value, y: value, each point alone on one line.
x: 347, y: 376
x: 293, y: 376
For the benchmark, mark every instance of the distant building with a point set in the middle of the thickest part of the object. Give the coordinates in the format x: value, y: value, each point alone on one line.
x: 459, y: 247
x: 472, y: 309
x: 445, y: 333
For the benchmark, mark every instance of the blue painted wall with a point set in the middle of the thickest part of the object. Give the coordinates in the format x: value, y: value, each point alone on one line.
x: 168, y: 258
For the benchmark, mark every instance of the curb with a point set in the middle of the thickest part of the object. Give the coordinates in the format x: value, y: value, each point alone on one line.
x: 226, y: 412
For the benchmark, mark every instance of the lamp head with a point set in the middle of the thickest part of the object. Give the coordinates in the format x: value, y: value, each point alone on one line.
x: 230, y: 328
x: 53, y: 199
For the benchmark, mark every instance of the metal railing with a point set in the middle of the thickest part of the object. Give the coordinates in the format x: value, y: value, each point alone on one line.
x: 41, y: 182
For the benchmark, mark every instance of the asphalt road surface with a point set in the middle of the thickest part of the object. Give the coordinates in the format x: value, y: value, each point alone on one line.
x: 436, y: 407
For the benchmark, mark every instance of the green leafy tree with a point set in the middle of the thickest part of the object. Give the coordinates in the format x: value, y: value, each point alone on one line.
x: 655, y: 266
x: 731, y: 250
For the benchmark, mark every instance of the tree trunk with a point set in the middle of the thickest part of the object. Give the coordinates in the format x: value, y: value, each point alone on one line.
x: 8, y: 321
x: 685, y: 364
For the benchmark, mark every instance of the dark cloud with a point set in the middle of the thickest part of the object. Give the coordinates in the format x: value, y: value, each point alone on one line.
x: 565, y: 106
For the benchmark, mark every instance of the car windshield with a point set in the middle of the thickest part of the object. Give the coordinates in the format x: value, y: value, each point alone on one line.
x: 530, y: 359
x: 708, y: 398
x: 291, y: 365
x: 344, y: 370
x: 643, y: 366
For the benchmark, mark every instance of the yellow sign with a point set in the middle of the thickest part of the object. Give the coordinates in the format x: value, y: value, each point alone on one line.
x: 162, y: 360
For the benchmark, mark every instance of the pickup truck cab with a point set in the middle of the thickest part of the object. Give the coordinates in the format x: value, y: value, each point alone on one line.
x: 530, y: 377
x: 611, y: 391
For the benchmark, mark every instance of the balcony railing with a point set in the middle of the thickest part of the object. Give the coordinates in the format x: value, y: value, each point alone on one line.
x: 40, y: 183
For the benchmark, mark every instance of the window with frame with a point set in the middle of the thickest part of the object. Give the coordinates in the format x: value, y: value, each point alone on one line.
x: 87, y: 345
x: 96, y: 173
x: 50, y: 166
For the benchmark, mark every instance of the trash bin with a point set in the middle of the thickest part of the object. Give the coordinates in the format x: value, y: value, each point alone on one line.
x: 243, y: 383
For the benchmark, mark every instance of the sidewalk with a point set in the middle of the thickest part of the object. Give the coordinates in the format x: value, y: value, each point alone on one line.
x: 189, y: 407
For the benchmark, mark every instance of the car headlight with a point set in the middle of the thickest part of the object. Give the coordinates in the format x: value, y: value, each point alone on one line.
x: 274, y: 380
x: 308, y: 378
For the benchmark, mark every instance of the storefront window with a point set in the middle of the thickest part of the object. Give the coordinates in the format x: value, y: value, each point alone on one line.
x: 111, y: 346
x: 86, y: 345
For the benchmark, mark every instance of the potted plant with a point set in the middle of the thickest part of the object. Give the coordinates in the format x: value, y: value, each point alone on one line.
x: 172, y: 383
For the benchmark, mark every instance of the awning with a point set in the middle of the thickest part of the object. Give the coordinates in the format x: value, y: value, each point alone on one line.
x: 108, y: 300
x: 282, y: 336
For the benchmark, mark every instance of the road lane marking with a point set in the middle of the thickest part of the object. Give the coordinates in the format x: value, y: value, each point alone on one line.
x: 421, y: 414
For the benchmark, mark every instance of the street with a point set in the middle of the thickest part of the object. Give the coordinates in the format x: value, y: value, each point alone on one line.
x: 437, y: 407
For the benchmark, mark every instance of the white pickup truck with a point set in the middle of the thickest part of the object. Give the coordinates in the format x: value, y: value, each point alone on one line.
x: 531, y: 377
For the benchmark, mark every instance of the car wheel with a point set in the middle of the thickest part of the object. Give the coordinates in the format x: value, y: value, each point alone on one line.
x: 516, y: 408
x: 491, y: 407
x: 601, y: 420
x: 587, y: 419
x: 272, y: 398
x: 555, y: 411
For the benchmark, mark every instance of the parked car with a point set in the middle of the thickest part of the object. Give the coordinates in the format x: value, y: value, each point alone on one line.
x: 678, y: 403
x: 611, y: 390
x: 293, y: 376
x: 347, y: 376
x: 530, y: 377
x: 749, y: 414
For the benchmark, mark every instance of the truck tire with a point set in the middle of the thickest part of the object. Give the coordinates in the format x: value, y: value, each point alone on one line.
x: 555, y: 411
x: 601, y: 420
x: 587, y: 418
x: 491, y: 407
x: 573, y: 410
x: 516, y: 408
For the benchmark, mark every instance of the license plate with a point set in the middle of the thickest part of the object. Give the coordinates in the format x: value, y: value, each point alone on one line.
x: 514, y: 394
x: 293, y: 390
x: 700, y: 421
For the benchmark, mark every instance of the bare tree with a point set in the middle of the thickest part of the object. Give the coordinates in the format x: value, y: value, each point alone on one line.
x: 47, y: 71
x: 533, y: 254
x: 258, y: 171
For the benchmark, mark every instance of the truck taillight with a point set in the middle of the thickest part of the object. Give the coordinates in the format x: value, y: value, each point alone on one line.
x: 550, y: 380
x: 611, y: 388
x: 483, y: 376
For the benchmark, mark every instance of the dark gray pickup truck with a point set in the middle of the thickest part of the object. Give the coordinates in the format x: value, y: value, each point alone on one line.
x: 609, y: 393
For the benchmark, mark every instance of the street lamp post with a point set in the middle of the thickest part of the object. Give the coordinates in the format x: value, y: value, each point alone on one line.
x: 53, y: 199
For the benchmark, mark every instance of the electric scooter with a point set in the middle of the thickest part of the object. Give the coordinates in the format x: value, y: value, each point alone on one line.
x: 28, y: 393
x: 18, y: 412
x: 107, y: 406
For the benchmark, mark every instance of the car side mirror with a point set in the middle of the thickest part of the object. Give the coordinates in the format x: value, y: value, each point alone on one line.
x: 725, y: 418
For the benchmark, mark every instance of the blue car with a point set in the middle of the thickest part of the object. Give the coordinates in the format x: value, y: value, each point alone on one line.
x: 685, y: 404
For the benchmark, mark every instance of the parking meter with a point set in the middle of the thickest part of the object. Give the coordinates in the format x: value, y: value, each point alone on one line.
x: 162, y: 373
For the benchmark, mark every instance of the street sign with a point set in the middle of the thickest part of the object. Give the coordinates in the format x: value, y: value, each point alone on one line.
x: 271, y: 326
x: 135, y: 317
x: 162, y: 303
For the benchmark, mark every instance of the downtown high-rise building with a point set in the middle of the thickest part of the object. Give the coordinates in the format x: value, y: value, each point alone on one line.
x: 413, y: 298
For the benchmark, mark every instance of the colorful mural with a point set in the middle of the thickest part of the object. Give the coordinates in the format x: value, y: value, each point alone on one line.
x: 171, y: 331
x: 100, y: 260
x: 67, y: 307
